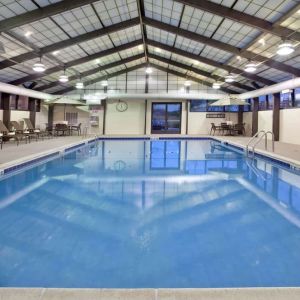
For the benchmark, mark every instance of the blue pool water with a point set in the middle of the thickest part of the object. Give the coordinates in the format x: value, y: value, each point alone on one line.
x: 132, y: 214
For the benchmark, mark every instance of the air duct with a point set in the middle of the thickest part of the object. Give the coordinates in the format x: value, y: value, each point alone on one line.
x: 272, y: 89
x: 15, y: 90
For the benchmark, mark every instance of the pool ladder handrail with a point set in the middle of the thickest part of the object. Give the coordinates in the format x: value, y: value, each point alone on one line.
x: 256, y: 135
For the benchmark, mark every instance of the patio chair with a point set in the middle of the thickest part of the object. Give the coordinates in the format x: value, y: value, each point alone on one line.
x: 76, y: 128
x: 1, y: 139
x: 31, y: 129
x: 8, y: 135
x: 225, y: 128
x: 19, y: 130
x: 62, y: 128
x: 239, y: 129
x: 214, y: 128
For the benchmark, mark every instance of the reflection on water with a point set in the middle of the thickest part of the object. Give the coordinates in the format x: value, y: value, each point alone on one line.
x: 151, y: 214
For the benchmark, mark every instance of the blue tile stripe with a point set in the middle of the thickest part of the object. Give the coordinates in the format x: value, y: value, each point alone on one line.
x: 30, y: 162
x: 74, y: 147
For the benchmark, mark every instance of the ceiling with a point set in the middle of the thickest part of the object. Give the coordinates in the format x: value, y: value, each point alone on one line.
x: 201, y: 40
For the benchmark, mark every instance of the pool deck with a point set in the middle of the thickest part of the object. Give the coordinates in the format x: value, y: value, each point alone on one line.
x: 150, y: 294
x: 11, y: 154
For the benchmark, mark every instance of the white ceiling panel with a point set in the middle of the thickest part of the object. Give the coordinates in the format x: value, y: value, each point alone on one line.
x: 115, y: 11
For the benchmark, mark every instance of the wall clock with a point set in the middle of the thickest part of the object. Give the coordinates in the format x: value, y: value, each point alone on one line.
x: 121, y: 106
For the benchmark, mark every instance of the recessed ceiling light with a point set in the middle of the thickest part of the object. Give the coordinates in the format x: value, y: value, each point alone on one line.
x: 97, y: 61
x: 262, y: 41
x: 285, y: 48
x: 55, y: 52
x: 157, y: 50
x: 140, y: 47
x: 250, y: 67
x: 148, y: 70
x: 28, y: 34
x: 238, y: 57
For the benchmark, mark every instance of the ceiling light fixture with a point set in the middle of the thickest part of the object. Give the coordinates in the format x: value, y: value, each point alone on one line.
x: 285, y: 48
x: 217, y: 85
x: 28, y: 34
x: 39, y: 66
x: 79, y: 85
x: 187, y: 83
x: 250, y: 67
x: 238, y: 58
x: 148, y: 70
x: 230, y: 78
x: 104, y: 83
x: 55, y: 52
x: 64, y: 78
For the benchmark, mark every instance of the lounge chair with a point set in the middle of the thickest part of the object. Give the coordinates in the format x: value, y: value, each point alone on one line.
x: 19, y: 130
x: 11, y: 135
x: 38, y: 132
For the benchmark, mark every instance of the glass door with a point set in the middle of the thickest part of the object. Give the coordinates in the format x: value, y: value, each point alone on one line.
x: 166, y: 118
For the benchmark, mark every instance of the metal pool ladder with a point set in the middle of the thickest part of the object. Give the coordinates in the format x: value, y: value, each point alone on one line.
x: 260, y: 135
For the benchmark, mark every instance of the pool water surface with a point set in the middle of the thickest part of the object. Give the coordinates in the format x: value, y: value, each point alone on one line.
x: 151, y: 214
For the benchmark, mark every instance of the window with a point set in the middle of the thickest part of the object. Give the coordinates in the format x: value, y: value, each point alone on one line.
x: 247, y: 108
x: 270, y: 101
x: 72, y: 118
x: 297, y: 97
x: 286, y: 99
x: 232, y: 108
x: 166, y: 118
x: 22, y: 103
x: 198, y: 105
x: 204, y: 106
x: 262, y: 103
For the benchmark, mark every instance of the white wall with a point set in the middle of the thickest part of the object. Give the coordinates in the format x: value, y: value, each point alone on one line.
x: 199, y: 124
x: 289, y: 126
x: 265, y: 120
x: 41, y: 118
x: 1, y: 115
x: 131, y: 121
x: 247, y: 119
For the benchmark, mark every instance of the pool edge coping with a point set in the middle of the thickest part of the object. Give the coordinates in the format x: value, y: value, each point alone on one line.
x: 272, y: 293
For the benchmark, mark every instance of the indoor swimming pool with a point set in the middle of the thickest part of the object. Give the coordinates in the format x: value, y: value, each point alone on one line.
x: 151, y: 214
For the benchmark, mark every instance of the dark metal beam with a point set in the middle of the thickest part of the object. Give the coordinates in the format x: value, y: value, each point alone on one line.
x: 41, y: 13
x: 69, y: 42
x: 89, y: 82
x: 210, y: 62
x: 198, y: 71
x: 79, y: 61
x: 94, y: 71
x: 222, y: 46
x: 167, y: 70
x: 243, y: 18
